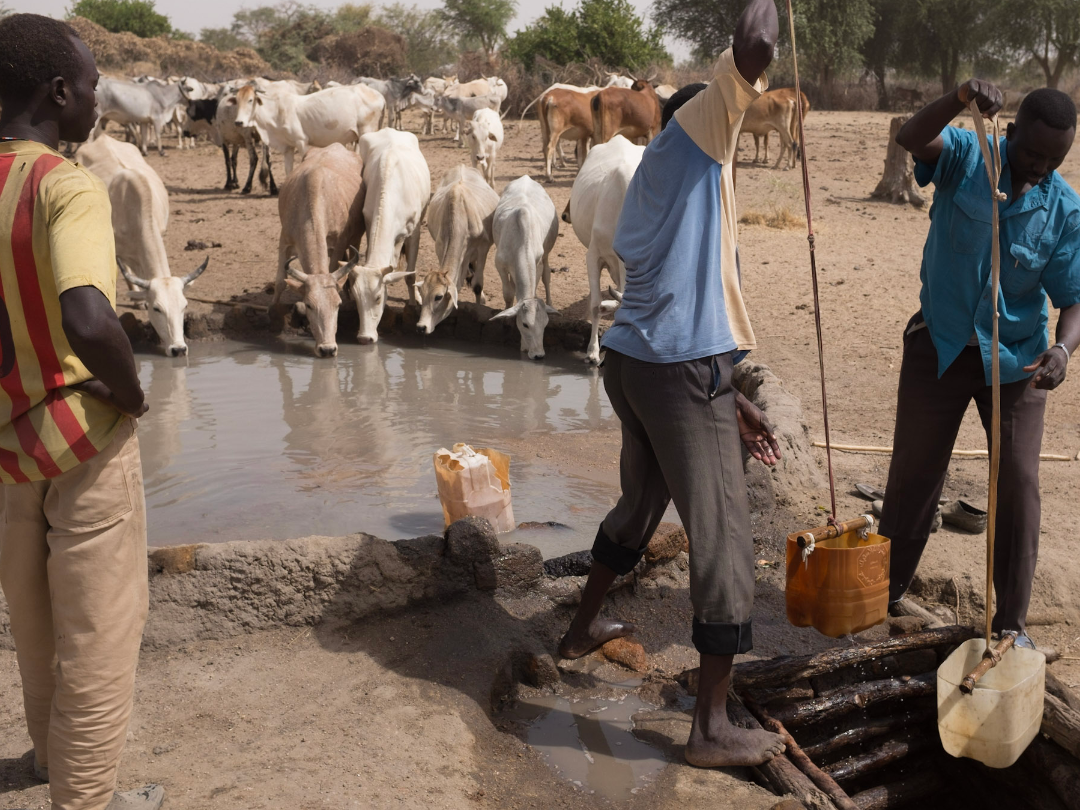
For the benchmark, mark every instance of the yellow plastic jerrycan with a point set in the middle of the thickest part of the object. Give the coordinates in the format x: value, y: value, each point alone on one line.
x: 838, y: 582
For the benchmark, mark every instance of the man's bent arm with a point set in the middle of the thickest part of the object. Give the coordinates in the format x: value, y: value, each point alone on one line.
x: 755, y: 39
x: 921, y: 135
x: 98, y: 340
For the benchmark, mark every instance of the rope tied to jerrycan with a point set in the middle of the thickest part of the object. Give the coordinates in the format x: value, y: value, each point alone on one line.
x: 813, y: 268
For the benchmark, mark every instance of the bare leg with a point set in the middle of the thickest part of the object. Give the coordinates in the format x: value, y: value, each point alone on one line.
x: 714, y: 742
x: 587, y: 631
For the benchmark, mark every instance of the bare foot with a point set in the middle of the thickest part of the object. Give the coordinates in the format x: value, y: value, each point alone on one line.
x: 576, y: 643
x: 732, y: 747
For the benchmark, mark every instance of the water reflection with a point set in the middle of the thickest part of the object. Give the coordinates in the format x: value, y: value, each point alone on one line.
x: 243, y: 443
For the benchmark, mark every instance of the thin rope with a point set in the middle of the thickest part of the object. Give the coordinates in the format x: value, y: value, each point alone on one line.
x: 992, y: 159
x: 813, y: 267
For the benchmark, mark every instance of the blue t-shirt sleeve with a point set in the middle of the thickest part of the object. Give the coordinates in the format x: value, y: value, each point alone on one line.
x: 956, y: 147
x: 1061, y: 276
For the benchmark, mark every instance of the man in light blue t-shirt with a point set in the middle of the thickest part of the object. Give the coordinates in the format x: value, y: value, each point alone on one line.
x: 668, y: 374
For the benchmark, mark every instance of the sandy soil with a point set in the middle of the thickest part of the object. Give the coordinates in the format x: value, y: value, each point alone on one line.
x: 351, y: 718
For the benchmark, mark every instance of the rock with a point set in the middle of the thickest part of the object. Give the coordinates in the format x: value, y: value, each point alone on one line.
x: 899, y: 625
x: 549, y: 524
x: 540, y: 670
x: 627, y: 652
x: 562, y: 591
x: 666, y: 543
x: 172, y: 560
x: 688, y: 679
x: 576, y: 564
x: 473, y: 539
x: 519, y: 566
x: 789, y: 804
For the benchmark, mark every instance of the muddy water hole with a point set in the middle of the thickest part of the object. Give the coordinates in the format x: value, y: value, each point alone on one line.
x: 255, y: 439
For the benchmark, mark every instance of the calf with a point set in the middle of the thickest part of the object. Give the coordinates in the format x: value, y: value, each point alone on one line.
x: 631, y: 112
x: 321, y: 208
x: 772, y: 111
x: 596, y: 200
x: 140, y: 217
x: 461, y: 110
x: 398, y: 190
x: 459, y: 219
x: 525, y: 227
x: 485, y: 134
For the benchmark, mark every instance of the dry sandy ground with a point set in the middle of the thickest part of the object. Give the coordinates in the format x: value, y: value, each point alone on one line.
x: 287, y: 720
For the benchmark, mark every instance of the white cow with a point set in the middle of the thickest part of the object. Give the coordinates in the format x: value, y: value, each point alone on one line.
x: 485, y: 135
x: 525, y: 227
x: 398, y: 190
x: 618, y: 80
x: 146, y: 106
x: 459, y: 219
x: 393, y: 91
x: 596, y: 200
x: 493, y: 89
x: 665, y: 91
x: 321, y: 207
x: 461, y: 110
x: 140, y: 216
x: 290, y: 123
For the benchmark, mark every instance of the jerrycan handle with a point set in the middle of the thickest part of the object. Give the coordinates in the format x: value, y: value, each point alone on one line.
x: 863, y: 526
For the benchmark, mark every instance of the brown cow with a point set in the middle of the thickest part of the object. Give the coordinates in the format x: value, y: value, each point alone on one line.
x: 789, y: 93
x: 774, y: 110
x: 633, y: 113
x: 565, y: 113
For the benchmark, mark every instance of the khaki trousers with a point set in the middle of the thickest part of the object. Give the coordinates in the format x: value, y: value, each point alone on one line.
x: 73, y: 569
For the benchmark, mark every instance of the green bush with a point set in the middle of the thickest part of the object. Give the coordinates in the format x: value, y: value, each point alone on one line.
x: 139, y: 17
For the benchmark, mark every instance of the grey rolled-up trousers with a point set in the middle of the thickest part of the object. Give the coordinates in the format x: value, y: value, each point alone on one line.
x: 929, y: 411
x: 681, y: 443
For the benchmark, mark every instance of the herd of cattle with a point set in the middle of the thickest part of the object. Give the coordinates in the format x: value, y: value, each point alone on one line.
x: 381, y: 187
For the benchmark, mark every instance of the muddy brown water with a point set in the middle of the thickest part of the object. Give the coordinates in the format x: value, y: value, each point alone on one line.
x: 247, y: 442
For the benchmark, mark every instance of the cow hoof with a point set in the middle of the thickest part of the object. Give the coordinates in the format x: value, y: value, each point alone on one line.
x: 245, y: 190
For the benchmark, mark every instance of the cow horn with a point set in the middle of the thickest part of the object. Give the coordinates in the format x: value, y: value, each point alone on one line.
x: 130, y: 277
x: 345, y: 269
x: 198, y: 271
x: 295, y: 272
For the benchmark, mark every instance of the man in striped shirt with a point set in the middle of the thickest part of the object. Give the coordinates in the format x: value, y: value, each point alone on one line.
x: 73, y: 539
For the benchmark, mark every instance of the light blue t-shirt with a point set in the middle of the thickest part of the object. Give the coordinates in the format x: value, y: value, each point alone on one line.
x: 1040, y: 256
x: 669, y: 238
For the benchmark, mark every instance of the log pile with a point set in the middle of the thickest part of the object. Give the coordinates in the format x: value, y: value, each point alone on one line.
x: 861, y: 730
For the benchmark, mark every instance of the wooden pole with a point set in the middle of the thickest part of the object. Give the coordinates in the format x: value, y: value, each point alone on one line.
x: 836, y: 704
x: 881, y: 754
x: 869, y: 730
x: 1061, y: 724
x: 784, y: 778
x: 801, y: 760
x: 901, y: 793
x: 967, y: 686
x: 777, y: 671
x: 861, y: 448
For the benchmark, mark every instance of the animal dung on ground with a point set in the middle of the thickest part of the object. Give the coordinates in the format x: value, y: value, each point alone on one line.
x: 475, y: 482
x: 627, y: 652
x: 198, y: 244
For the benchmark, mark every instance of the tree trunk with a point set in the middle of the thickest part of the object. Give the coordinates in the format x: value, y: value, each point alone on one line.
x: 1061, y: 724
x: 869, y: 730
x: 879, y: 756
x: 882, y: 90
x: 1046, y: 762
x: 844, y: 701
x: 897, y: 183
x: 776, y: 671
x: 900, y: 794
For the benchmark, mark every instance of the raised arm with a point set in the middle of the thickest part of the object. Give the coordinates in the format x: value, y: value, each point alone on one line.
x: 98, y: 340
x: 921, y: 135
x: 755, y: 39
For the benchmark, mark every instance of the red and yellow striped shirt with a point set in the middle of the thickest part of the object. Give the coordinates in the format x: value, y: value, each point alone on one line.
x: 55, y: 234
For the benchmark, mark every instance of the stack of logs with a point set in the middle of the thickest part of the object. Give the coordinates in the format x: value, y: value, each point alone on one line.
x: 861, y: 729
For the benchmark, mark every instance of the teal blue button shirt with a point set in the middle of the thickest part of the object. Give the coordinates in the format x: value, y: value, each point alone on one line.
x: 1040, y: 256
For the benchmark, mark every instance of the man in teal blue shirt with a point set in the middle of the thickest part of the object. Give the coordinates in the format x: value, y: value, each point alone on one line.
x: 947, y: 344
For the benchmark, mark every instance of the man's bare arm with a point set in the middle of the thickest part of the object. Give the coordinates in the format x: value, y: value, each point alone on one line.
x: 755, y: 39
x: 1051, y: 365
x: 921, y: 135
x: 98, y: 340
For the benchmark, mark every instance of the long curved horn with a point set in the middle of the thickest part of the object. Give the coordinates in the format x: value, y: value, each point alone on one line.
x: 344, y: 270
x: 295, y: 272
x: 198, y: 271
x: 130, y: 277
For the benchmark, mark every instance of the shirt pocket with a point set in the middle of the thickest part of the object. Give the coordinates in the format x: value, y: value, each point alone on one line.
x: 971, y: 229
x: 1030, y: 253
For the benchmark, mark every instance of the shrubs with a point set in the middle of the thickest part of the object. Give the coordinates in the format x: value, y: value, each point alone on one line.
x: 371, y: 51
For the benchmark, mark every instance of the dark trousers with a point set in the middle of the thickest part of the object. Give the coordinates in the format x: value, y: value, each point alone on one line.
x: 928, y: 416
x: 681, y: 442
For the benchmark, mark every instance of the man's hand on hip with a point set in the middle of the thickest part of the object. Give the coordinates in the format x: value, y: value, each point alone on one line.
x: 98, y: 390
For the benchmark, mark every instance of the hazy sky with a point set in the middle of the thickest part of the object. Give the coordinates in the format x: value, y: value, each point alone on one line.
x: 194, y: 15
